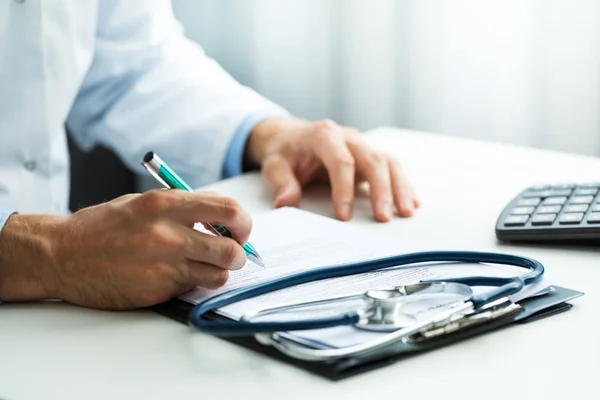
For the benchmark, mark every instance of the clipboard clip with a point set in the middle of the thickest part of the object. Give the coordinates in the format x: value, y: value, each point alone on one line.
x: 501, y: 309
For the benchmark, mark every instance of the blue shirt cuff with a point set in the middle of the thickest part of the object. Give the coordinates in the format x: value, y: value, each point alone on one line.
x: 235, y: 154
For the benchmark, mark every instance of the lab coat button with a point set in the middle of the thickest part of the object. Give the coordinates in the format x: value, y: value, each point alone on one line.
x: 30, y: 165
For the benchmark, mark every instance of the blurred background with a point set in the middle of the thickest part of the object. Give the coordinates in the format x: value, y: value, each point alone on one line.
x: 518, y: 71
x: 514, y: 71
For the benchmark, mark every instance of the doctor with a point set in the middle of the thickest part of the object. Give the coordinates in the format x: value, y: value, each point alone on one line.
x: 122, y: 74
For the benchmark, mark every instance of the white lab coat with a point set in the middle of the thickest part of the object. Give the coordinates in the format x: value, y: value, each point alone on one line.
x: 119, y: 73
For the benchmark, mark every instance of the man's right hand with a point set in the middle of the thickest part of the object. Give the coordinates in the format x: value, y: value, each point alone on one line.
x: 135, y: 251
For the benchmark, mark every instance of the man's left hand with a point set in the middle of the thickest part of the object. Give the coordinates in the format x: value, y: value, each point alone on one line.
x: 293, y: 153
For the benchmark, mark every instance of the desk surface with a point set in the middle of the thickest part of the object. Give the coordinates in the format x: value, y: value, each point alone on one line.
x: 57, y: 351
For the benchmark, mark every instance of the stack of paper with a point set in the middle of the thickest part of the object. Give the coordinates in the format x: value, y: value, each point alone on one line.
x: 291, y: 240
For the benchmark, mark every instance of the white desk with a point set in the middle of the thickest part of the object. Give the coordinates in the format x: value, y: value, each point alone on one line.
x: 57, y: 351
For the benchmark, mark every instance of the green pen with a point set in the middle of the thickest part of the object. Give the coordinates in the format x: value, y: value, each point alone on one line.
x: 165, y: 175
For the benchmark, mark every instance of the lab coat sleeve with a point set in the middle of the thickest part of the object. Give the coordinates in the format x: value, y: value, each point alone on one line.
x: 149, y: 88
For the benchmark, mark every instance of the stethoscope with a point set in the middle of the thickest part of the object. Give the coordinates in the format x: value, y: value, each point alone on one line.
x: 382, y: 309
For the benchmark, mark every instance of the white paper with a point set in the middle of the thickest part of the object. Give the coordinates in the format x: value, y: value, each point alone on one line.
x: 291, y: 240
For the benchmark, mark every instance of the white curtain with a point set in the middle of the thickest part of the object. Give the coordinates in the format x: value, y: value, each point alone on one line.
x: 519, y: 71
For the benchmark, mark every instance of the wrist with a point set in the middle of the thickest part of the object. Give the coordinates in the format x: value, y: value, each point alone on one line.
x: 28, y: 270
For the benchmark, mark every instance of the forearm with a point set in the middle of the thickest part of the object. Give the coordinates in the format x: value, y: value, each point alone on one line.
x: 163, y: 94
x: 27, y: 267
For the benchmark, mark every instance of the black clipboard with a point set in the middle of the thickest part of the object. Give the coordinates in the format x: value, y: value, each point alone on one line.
x: 533, y: 308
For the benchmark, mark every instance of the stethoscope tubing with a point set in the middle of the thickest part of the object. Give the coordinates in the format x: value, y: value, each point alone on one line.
x: 505, y: 287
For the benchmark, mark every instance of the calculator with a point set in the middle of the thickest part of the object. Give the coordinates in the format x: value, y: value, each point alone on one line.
x: 552, y: 213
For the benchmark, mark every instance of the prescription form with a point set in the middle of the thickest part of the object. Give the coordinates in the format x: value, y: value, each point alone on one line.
x: 291, y: 240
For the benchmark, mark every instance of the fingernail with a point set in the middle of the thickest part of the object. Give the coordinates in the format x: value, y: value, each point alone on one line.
x: 385, y: 208
x: 346, y: 211
x: 408, y: 204
x: 281, y: 195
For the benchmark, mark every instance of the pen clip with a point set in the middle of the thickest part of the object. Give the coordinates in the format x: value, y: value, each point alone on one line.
x: 155, y: 174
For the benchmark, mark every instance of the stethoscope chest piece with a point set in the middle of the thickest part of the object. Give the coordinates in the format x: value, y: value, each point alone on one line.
x: 383, y: 311
x: 387, y: 310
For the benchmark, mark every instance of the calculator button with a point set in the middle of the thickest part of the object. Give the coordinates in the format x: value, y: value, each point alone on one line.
x: 571, y: 218
x: 522, y: 210
x: 559, y: 193
x: 594, y: 218
x: 576, y: 208
x: 554, y: 201
x: 590, y: 185
x: 536, y: 193
x: 548, y: 210
x: 564, y: 186
x: 596, y: 208
x: 539, y: 188
x: 529, y: 202
x: 581, y: 199
x: 516, y: 220
x: 586, y: 191
x: 543, y: 219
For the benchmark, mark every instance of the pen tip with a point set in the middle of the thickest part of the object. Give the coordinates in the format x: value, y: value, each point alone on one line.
x: 149, y: 156
x: 256, y: 260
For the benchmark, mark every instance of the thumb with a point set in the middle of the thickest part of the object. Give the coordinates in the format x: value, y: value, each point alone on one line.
x: 279, y: 175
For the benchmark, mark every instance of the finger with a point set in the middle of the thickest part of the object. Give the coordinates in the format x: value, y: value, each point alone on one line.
x: 279, y: 175
x: 404, y: 196
x: 214, y: 209
x: 205, y: 275
x: 330, y: 147
x: 374, y: 167
x: 221, y: 252
x: 206, y: 225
